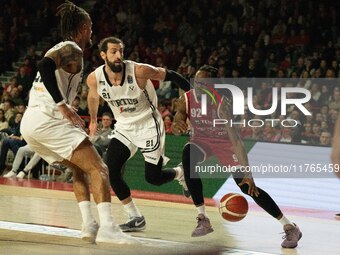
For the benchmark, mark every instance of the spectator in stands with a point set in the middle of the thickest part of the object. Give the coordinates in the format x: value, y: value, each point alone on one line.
x: 23, y: 153
x: 325, y: 138
x: 7, y: 87
x: 257, y: 131
x: 75, y: 105
x: 13, y: 125
x: 13, y: 142
x: 325, y: 95
x: 335, y: 99
x: 286, y: 136
x: 316, y: 131
x: 83, y: 99
x: 101, y: 140
x: 168, y: 123
x: 24, y: 79
x: 270, y: 133
x: 163, y: 109
x: 307, y: 134
x: 3, y: 121
x: 16, y: 96
x: 9, y: 109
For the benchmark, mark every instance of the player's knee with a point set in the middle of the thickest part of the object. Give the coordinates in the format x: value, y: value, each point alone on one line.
x: 191, y: 155
x: 104, y: 171
x: 154, y: 180
x: 186, y: 154
x: 153, y: 173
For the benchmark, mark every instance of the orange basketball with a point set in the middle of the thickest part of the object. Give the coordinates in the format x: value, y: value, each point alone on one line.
x: 233, y: 207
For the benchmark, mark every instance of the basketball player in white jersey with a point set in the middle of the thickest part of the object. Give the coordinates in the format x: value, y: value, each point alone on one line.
x: 126, y: 87
x: 55, y: 131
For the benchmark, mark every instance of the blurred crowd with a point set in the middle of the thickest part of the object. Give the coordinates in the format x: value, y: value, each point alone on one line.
x: 298, y: 40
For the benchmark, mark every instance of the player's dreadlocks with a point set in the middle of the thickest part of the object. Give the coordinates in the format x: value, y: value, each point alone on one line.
x: 71, y: 19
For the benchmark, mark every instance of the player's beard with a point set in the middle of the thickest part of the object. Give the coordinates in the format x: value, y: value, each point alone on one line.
x: 115, y: 67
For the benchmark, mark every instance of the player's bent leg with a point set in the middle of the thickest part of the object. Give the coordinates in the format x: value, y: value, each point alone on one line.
x: 181, y: 179
x: 156, y: 176
x: 88, y: 160
x: 264, y: 200
x: 89, y: 227
x: 191, y: 155
x: 118, y: 154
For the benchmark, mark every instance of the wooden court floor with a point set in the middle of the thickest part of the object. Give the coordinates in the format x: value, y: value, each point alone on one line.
x: 42, y: 221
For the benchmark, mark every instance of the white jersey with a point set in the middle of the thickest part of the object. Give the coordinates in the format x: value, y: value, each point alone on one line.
x: 43, y: 126
x: 68, y: 84
x: 128, y: 102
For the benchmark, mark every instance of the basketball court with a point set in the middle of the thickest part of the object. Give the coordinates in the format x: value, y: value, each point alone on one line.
x: 39, y: 217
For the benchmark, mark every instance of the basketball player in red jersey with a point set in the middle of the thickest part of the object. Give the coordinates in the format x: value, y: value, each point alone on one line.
x: 227, y: 146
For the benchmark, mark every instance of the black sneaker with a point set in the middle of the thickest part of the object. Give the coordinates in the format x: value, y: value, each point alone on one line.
x: 133, y: 224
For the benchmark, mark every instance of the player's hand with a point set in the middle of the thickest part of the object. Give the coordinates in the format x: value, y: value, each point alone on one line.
x: 93, y: 127
x: 179, y: 127
x: 252, y: 190
x: 71, y: 115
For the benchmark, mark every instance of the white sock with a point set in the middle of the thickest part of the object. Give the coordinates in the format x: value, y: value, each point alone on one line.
x: 284, y: 221
x: 105, y: 213
x: 178, y: 171
x: 132, y: 210
x: 201, y: 210
x: 86, y: 213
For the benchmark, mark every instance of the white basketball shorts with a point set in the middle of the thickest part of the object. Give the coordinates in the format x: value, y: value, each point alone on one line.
x: 53, y: 137
x: 148, y: 135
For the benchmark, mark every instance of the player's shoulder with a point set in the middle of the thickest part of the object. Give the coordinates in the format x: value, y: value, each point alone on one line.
x: 187, y: 94
x: 72, y: 46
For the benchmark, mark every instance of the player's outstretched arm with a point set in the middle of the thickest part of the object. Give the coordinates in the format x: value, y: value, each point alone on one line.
x: 145, y: 71
x: 238, y: 148
x: 179, y: 125
x: 92, y: 102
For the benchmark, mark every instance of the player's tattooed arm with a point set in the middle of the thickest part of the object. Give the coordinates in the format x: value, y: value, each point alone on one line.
x: 69, y: 57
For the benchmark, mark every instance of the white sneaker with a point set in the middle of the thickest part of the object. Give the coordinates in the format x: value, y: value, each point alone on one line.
x: 181, y: 180
x: 89, y: 232
x: 113, y: 234
x: 10, y: 174
x: 21, y: 175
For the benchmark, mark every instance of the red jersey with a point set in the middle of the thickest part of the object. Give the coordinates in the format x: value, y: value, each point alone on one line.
x: 202, y: 125
x: 213, y: 141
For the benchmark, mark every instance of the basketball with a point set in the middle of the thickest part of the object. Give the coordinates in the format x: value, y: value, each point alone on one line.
x: 233, y: 207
